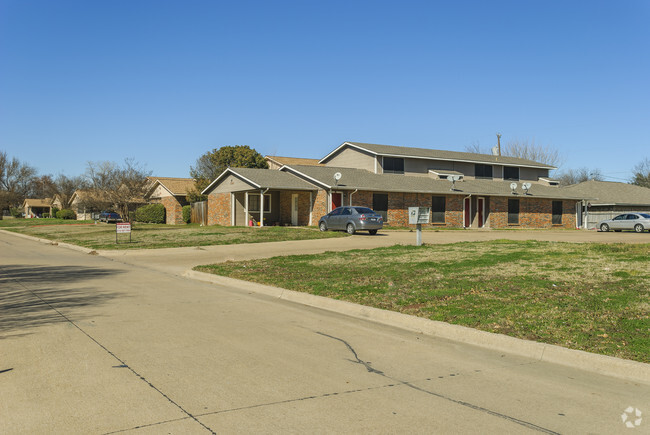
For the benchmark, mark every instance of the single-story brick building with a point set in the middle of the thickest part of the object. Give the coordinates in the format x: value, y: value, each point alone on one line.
x: 172, y: 194
x: 608, y: 199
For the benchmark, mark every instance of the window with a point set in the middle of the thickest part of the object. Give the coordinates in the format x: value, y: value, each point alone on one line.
x: 482, y: 171
x: 254, y: 202
x: 346, y: 212
x: 438, y: 209
x: 557, y: 213
x: 393, y: 165
x: 513, y: 211
x: 510, y: 173
x: 380, y: 204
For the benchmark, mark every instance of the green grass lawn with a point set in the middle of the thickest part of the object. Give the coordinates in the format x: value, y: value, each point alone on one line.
x: 151, y: 236
x: 592, y: 297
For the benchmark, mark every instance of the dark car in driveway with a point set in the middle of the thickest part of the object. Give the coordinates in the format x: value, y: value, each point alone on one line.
x: 109, y: 216
x: 352, y: 219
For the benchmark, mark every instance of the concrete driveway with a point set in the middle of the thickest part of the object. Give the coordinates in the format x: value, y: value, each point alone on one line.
x: 91, y: 345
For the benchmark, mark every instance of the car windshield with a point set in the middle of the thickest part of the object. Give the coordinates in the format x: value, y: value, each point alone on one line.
x: 362, y: 210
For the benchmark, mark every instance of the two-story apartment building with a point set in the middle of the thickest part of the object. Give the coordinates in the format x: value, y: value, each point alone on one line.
x: 463, y: 189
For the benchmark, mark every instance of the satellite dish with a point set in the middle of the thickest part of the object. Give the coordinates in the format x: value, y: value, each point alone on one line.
x: 337, y: 176
x: 526, y: 186
x: 513, y: 186
x: 453, y: 179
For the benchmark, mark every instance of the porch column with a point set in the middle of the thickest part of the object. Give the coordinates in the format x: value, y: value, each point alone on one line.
x: 261, y: 208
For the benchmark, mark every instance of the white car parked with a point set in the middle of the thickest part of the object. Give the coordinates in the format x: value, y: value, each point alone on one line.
x: 638, y: 222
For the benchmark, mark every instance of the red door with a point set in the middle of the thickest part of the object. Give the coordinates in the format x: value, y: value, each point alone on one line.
x: 467, y: 213
x: 480, y: 205
x: 336, y: 200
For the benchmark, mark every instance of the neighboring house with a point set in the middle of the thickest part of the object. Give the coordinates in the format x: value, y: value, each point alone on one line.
x: 608, y: 199
x: 79, y: 203
x: 171, y: 193
x: 462, y: 189
x: 33, y: 207
x: 276, y: 162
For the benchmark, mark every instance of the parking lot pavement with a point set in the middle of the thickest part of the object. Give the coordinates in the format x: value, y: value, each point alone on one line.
x: 89, y: 345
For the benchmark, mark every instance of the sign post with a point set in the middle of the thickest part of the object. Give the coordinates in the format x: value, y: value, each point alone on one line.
x: 417, y: 217
x: 122, y: 228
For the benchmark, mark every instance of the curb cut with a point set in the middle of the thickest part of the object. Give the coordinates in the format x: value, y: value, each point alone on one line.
x: 591, y: 362
x: 50, y: 242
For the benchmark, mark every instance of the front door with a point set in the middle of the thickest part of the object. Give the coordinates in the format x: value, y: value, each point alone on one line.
x: 294, y: 209
x: 480, y: 209
x: 336, y: 200
x: 467, y: 213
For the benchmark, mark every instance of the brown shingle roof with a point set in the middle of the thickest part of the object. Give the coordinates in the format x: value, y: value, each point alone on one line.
x: 176, y: 186
x: 293, y: 161
x: 610, y: 192
x: 364, y: 180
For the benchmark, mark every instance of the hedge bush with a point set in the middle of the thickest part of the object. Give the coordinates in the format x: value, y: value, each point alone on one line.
x: 187, y: 213
x: 152, y: 213
x: 66, y: 214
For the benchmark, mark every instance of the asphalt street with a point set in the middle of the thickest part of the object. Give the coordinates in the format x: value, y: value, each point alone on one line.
x: 97, y: 344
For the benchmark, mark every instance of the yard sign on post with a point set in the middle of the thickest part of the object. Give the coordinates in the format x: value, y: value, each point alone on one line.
x: 417, y: 217
x: 122, y: 228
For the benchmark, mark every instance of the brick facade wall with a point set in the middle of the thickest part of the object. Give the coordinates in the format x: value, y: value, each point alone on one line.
x: 304, y: 207
x: 173, y: 210
x: 319, y: 209
x: 219, y: 209
x: 533, y: 213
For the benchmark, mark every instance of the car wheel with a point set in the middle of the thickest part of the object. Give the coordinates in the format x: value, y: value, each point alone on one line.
x: 372, y: 232
x: 604, y: 228
x: 638, y: 228
x: 322, y: 226
x: 350, y: 229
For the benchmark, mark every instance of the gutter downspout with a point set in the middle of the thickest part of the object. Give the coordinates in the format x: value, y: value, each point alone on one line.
x: 470, y: 211
x: 350, y: 196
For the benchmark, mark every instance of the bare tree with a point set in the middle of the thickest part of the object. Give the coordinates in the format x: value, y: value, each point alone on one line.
x: 15, y: 181
x: 532, y: 151
x: 118, y: 187
x: 63, y: 187
x: 524, y: 150
x: 641, y: 173
x: 575, y: 176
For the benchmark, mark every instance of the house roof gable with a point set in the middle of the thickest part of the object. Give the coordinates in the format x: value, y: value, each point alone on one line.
x: 431, y: 154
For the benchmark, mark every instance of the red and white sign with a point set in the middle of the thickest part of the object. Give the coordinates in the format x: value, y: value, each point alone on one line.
x: 123, y: 227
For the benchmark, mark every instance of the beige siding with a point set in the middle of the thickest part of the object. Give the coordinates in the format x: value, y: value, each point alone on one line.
x: 231, y: 184
x: 352, y: 158
x: 240, y: 217
x: 532, y: 174
x: 160, y: 192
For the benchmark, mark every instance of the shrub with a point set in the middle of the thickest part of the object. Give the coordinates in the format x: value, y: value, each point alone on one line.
x: 45, y: 215
x: 16, y: 212
x: 152, y: 213
x: 187, y: 213
x: 66, y: 214
x: 54, y: 211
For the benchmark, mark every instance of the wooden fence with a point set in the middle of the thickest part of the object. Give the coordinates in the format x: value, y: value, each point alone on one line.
x: 199, y: 212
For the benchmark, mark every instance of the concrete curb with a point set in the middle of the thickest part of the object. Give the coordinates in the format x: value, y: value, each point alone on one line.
x: 52, y: 243
x: 601, y: 364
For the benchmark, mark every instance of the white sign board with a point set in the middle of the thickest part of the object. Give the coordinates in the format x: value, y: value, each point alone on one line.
x: 122, y: 228
x: 419, y: 215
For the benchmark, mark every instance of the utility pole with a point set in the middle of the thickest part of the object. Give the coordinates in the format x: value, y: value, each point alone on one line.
x: 499, y: 143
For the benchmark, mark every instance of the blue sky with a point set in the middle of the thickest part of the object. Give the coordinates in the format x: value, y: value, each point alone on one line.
x: 163, y: 82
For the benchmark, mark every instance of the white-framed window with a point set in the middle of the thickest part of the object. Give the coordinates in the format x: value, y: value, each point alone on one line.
x: 254, y: 202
